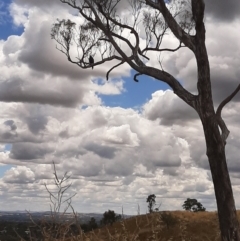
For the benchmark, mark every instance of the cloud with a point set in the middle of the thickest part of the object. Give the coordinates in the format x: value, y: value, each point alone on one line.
x: 223, y: 10
x: 11, y: 124
x: 169, y: 109
x: 18, y: 90
x: 19, y: 175
x: 28, y: 151
x: 34, y: 71
x: 102, y: 151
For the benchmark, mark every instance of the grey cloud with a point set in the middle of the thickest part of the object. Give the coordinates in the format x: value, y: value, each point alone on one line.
x: 119, y: 168
x: 198, y: 152
x: 189, y: 188
x: 64, y: 133
x: 199, y: 187
x: 72, y: 152
x: 7, y: 137
x: 223, y: 10
x: 169, y: 108
x: 35, y: 118
x: 21, y: 179
x: 17, y: 90
x: 167, y: 158
x: 36, y: 123
x: 88, y: 171
x: 40, y: 53
x: 103, y: 151
x: 87, y: 165
x: 178, y: 116
x: 222, y: 87
x: 98, y: 119
x: 171, y: 171
x: 11, y: 124
x: 232, y: 148
x: 169, y: 161
x: 128, y: 180
x: 101, y: 179
x: 29, y: 151
x: 8, y: 132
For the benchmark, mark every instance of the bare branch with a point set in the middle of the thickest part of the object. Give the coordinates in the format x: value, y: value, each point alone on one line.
x: 224, y: 129
x: 172, y: 23
x: 164, y: 49
x: 109, y: 27
x: 135, y: 77
x: 122, y: 62
x: 221, y: 123
x: 100, y: 62
x: 225, y: 101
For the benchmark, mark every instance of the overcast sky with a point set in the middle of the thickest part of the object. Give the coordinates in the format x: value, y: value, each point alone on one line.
x: 120, y: 140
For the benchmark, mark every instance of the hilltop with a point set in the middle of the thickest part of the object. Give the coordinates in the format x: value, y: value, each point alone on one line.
x: 174, y: 225
x: 162, y: 226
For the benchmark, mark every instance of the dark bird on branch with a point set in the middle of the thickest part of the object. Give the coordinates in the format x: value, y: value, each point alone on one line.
x: 91, y: 61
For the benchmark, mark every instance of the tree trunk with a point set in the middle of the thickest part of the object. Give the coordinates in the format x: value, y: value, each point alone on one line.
x: 227, y: 214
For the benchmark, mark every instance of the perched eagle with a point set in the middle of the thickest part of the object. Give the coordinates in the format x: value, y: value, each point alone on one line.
x: 91, y: 61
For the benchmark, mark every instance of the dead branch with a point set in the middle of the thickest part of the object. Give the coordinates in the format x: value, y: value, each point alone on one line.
x: 135, y: 77
x: 122, y: 62
x: 164, y: 49
x: 225, y: 101
x: 221, y: 123
x: 179, y: 33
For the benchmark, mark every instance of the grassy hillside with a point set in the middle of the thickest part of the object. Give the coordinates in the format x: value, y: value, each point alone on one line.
x: 176, y: 225
x: 162, y: 226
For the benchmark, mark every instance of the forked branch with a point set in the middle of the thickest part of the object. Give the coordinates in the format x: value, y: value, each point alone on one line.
x: 109, y: 27
x: 163, y: 49
x: 179, y: 33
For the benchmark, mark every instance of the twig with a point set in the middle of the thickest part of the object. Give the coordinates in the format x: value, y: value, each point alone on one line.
x: 165, y: 49
x: 107, y: 75
x: 135, y: 77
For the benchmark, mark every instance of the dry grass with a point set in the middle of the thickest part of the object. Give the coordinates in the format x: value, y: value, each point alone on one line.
x: 202, y: 226
x: 189, y: 226
x: 158, y: 226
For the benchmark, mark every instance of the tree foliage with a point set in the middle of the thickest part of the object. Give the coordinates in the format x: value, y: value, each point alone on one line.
x: 110, y: 217
x: 151, y: 202
x: 193, y: 205
x: 91, y: 225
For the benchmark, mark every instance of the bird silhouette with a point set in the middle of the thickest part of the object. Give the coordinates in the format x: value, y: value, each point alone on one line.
x: 91, y: 61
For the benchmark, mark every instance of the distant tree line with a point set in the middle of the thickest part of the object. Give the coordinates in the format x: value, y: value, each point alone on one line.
x: 109, y: 217
x: 191, y: 204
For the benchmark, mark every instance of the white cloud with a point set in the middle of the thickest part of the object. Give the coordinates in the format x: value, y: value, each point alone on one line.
x: 19, y: 14
x: 19, y: 175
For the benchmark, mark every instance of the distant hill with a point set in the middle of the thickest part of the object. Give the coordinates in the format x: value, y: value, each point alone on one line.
x: 23, y: 216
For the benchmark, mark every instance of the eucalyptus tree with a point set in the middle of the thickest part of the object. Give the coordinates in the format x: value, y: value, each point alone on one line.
x: 107, y: 34
x: 151, y: 202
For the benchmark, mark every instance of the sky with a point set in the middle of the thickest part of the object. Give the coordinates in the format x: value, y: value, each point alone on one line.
x: 119, y: 140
